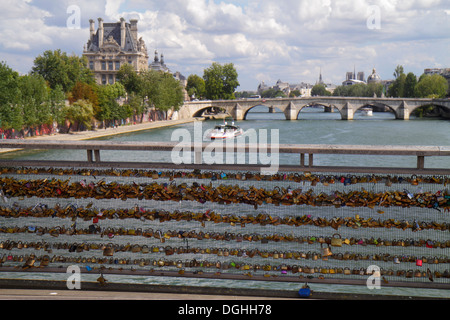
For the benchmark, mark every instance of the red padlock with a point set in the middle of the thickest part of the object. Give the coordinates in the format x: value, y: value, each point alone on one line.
x: 419, y: 262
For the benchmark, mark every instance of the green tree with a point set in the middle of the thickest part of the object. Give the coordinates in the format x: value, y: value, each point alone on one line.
x: 80, y: 112
x: 130, y: 79
x: 397, y: 89
x: 57, y: 68
x: 109, y: 109
x: 56, y: 103
x: 320, y: 90
x: 410, y: 85
x: 10, y: 115
x: 161, y: 90
x: 431, y: 86
x: 373, y: 89
x: 220, y: 81
x: 195, y: 86
x: 33, y: 101
x: 294, y: 93
x: 398, y: 71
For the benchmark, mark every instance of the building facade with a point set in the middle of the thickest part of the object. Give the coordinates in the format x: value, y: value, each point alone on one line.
x: 113, y: 45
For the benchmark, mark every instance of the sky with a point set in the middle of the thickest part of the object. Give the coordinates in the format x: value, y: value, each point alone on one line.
x: 266, y: 40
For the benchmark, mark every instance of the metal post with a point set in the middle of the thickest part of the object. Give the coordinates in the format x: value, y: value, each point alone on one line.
x: 97, y: 155
x: 89, y: 156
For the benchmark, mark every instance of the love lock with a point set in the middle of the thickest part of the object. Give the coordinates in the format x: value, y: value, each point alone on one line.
x: 336, y: 241
x: 326, y: 252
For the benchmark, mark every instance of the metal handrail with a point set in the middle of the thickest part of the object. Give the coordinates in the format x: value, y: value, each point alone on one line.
x: 93, y: 149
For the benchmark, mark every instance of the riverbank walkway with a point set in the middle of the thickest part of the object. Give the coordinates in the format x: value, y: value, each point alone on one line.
x: 100, y: 133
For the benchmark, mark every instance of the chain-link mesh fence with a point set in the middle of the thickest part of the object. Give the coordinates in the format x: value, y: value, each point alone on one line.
x: 327, y: 227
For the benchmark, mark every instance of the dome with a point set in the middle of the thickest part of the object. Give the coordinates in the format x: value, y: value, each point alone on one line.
x: 374, y: 77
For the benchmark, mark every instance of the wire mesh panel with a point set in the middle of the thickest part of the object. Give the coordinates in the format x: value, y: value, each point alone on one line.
x: 227, y: 224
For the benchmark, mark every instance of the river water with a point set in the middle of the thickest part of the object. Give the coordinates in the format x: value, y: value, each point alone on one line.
x: 313, y: 127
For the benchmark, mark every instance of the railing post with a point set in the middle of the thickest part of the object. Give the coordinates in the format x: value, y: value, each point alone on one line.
x: 302, y: 159
x: 310, y: 160
x: 89, y: 156
x: 97, y: 155
x: 420, y: 162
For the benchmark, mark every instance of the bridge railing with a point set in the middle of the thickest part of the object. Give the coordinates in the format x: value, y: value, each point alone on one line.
x: 226, y: 222
x: 198, y: 150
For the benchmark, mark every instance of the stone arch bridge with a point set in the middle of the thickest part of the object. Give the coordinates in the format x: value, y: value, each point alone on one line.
x: 291, y: 107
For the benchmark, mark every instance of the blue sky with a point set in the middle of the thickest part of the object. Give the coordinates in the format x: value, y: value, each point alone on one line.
x: 266, y: 40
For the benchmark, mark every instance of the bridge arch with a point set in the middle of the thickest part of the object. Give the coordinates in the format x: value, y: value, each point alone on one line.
x: 381, y: 107
x: 444, y: 110
x: 314, y: 104
x: 269, y: 107
x: 209, y: 109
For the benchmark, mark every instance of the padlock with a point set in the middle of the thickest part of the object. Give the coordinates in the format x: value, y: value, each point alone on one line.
x: 336, y: 241
x: 108, y: 251
x: 419, y: 262
x: 326, y: 252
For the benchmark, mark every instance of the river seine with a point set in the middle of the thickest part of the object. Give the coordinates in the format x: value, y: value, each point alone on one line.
x: 313, y: 127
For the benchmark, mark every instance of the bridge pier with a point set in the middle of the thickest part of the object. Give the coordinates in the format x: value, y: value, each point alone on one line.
x: 328, y: 109
x: 291, y: 112
x: 347, y: 112
x: 237, y: 112
x: 402, y: 112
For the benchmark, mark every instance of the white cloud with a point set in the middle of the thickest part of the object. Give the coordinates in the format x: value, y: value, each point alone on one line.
x: 266, y: 39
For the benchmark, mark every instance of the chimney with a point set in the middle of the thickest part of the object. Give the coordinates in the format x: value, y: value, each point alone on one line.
x: 134, y: 30
x: 100, y: 32
x: 92, y: 29
x: 122, y: 33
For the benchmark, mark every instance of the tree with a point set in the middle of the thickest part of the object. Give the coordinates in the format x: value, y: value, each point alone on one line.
x: 220, y: 81
x: 431, y: 86
x: 80, y: 112
x: 410, y: 85
x: 129, y: 78
x: 10, y: 115
x: 320, y: 90
x: 196, y: 86
x: 397, y: 89
x: 109, y: 109
x: 87, y: 92
x: 398, y: 71
x: 161, y: 90
x: 57, y: 68
x: 56, y: 103
x: 33, y: 101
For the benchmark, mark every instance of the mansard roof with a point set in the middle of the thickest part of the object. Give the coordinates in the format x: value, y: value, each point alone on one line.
x: 112, y: 31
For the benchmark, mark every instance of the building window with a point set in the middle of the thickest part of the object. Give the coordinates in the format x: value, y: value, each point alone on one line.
x: 117, y: 65
x: 103, y: 79
x: 103, y: 65
x: 110, y: 65
x: 91, y: 65
x: 111, y: 79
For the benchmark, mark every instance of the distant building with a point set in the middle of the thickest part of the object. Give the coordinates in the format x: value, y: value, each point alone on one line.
x: 374, y: 77
x: 158, y: 63
x: 352, y: 78
x: 113, y: 45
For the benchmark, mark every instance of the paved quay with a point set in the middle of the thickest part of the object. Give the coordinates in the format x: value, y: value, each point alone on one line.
x: 29, y: 294
x: 100, y: 133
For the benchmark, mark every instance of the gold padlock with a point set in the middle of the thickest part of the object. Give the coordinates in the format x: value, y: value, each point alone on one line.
x: 326, y: 252
x: 336, y: 241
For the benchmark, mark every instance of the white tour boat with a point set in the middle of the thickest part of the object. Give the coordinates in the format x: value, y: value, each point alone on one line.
x: 225, y: 131
x: 368, y: 112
